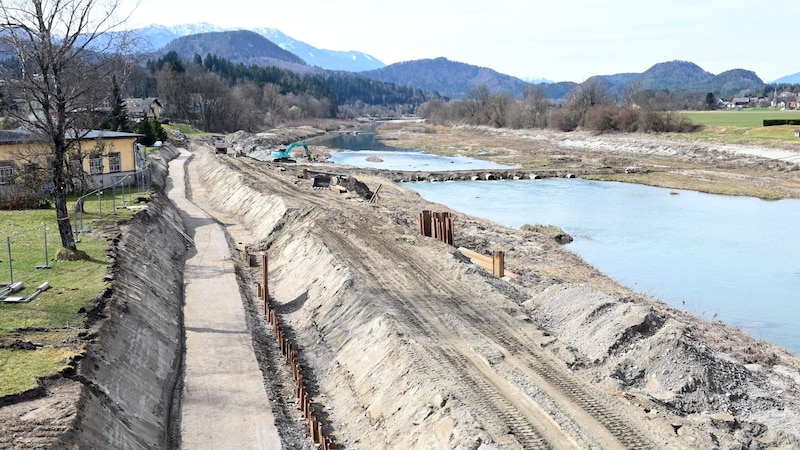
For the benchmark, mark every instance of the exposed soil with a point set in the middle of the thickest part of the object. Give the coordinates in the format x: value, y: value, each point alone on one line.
x: 411, y: 346
x: 406, y: 344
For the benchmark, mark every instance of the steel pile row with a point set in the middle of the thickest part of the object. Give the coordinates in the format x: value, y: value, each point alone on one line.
x: 288, y: 350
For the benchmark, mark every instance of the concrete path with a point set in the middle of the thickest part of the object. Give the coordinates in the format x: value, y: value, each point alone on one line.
x: 224, y: 403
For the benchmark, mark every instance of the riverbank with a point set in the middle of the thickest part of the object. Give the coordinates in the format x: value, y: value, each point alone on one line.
x: 657, y: 160
x: 405, y: 344
x: 694, y: 376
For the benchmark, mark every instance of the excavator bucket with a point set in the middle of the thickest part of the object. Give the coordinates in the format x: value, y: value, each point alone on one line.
x: 321, y: 181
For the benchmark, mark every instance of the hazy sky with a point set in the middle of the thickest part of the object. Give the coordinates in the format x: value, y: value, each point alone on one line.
x: 566, y: 40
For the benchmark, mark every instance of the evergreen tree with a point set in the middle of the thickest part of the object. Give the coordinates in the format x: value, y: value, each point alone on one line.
x: 151, y: 130
x: 118, y: 120
x: 146, y: 130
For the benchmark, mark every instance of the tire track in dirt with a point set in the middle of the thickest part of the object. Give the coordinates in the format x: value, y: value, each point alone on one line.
x: 504, y: 338
x: 379, y: 263
x: 468, y: 382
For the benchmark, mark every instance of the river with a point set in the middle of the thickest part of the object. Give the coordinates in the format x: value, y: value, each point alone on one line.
x: 725, y: 258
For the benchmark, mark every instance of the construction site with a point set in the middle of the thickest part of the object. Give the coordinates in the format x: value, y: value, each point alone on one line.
x: 303, y: 305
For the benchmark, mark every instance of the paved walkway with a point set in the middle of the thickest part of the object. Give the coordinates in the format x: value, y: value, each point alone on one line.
x: 224, y: 403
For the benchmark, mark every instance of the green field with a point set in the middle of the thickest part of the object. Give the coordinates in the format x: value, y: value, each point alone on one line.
x: 743, y: 126
x: 743, y: 118
x: 52, y: 320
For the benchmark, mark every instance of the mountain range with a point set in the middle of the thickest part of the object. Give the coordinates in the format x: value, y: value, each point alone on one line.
x: 267, y: 46
x: 153, y: 38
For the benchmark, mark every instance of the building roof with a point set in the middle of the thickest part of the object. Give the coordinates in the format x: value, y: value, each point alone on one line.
x: 139, y: 106
x: 16, y: 136
x: 102, y: 134
x: 22, y: 136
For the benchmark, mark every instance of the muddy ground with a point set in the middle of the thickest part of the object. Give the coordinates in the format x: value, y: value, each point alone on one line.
x: 407, y: 344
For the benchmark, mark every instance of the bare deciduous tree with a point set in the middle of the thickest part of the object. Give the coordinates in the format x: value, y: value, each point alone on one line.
x: 64, y: 49
x: 534, y: 107
x: 477, y: 103
x: 586, y: 95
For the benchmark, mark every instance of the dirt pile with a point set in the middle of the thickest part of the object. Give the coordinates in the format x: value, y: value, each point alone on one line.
x: 262, y: 144
x: 408, y: 346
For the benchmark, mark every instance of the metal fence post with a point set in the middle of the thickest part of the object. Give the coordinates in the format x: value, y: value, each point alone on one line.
x: 114, y: 199
x: 46, y: 254
x: 10, y: 264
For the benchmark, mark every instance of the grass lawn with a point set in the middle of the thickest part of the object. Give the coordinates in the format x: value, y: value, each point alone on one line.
x: 187, y: 129
x: 52, y: 320
x: 743, y: 126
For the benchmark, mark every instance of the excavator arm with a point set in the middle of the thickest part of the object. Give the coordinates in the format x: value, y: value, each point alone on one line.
x: 286, y: 153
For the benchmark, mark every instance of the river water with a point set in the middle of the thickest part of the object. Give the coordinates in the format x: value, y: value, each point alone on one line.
x: 735, y: 259
x: 364, y: 150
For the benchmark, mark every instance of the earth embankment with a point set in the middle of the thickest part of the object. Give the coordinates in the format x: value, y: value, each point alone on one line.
x: 134, y: 347
x: 404, y: 343
x: 409, y: 346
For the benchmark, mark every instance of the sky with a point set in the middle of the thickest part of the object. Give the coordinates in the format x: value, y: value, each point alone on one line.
x: 566, y: 40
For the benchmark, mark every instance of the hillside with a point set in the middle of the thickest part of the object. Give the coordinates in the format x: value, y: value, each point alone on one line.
x: 351, y: 61
x: 684, y: 76
x: 448, y: 78
x: 269, y: 46
x: 731, y: 83
x: 154, y: 37
x: 246, y: 47
x: 793, y: 78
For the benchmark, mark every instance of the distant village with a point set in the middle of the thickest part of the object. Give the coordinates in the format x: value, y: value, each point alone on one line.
x: 783, y: 101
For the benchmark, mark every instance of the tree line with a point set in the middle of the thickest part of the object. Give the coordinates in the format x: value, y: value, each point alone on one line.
x: 588, y: 106
x: 218, y: 95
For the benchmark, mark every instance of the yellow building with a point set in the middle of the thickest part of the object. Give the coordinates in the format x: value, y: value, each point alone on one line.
x: 105, y: 158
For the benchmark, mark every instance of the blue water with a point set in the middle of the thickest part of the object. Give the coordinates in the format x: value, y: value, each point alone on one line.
x: 735, y: 259
x: 412, y: 161
x: 361, y: 146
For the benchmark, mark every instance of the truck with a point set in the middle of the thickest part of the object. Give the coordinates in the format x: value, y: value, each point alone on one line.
x: 220, y: 145
x: 286, y: 153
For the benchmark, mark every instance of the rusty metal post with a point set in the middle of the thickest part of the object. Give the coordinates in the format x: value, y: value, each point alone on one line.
x: 320, y: 436
x: 312, y: 425
x: 264, y: 262
x: 450, y: 231
x: 498, y: 264
x: 425, y: 223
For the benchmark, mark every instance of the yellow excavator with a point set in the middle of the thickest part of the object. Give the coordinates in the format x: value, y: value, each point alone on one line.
x: 286, y: 153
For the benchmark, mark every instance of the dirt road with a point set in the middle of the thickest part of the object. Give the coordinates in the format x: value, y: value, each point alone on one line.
x: 408, y: 345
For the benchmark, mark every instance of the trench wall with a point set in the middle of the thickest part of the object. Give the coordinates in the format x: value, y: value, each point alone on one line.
x: 132, y: 364
x: 347, y: 337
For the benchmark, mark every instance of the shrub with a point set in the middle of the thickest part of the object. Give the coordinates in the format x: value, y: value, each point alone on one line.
x: 564, y: 120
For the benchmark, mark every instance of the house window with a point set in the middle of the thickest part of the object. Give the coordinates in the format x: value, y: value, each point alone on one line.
x: 6, y: 172
x: 114, y: 162
x: 96, y: 164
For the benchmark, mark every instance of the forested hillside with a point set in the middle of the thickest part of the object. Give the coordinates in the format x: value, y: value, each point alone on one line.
x: 448, y: 78
x: 246, y: 47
